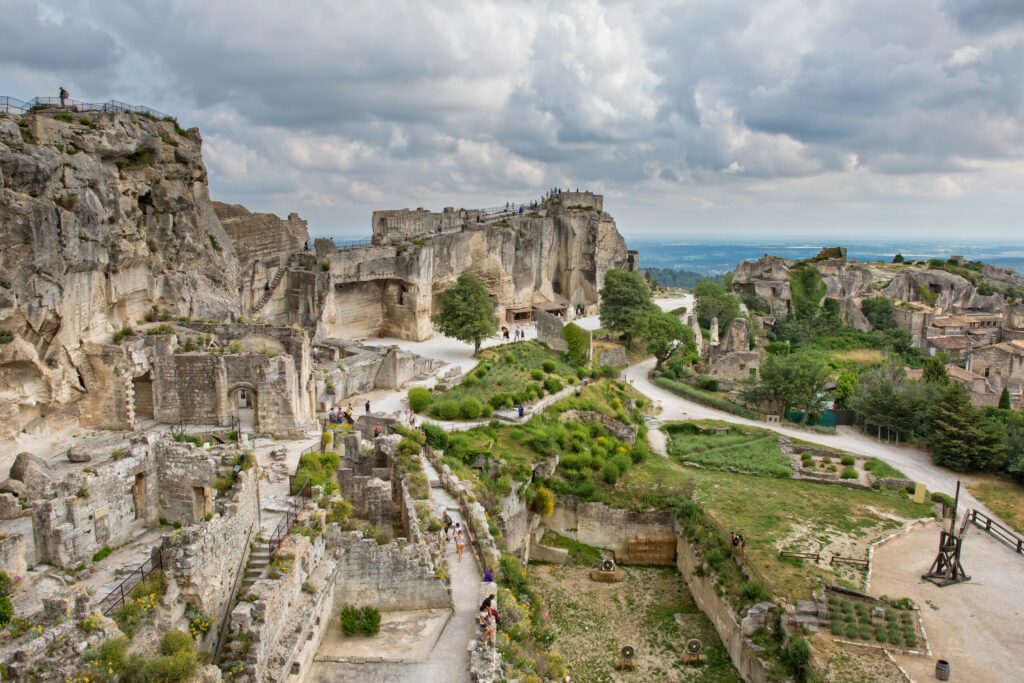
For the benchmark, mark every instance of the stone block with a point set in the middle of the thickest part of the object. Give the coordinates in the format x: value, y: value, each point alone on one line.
x: 10, y: 508
x: 32, y: 471
x: 601, y: 576
x: 79, y: 454
x: 12, y: 555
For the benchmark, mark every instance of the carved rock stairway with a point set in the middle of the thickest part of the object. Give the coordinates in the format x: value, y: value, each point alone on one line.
x: 258, y: 562
x: 293, y: 260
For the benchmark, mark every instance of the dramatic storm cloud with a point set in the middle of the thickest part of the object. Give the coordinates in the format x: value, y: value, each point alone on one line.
x: 699, y: 117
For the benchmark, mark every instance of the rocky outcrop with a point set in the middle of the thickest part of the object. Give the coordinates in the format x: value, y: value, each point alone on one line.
x: 103, y: 218
x: 558, y: 253
x: 945, y: 291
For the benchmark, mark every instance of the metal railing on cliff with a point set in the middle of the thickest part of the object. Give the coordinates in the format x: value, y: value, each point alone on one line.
x: 12, y: 105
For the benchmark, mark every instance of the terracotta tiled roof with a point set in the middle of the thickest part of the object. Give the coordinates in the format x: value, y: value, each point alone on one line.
x: 956, y: 342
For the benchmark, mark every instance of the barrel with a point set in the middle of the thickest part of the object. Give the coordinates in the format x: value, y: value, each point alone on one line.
x: 942, y: 670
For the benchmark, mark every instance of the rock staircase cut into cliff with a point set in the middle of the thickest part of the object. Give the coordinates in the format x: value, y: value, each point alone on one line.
x: 293, y: 260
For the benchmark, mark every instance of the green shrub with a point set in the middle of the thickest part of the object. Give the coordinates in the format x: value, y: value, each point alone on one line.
x: 548, y: 365
x: 910, y: 638
x: 552, y: 385
x: 470, y: 381
x: 178, y: 668
x: 163, y: 329
x: 577, y: 341
x: 102, y: 553
x: 543, y: 502
x: 754, y: 591
x: 340, y: 512
x: 123, y: 333
x: 707, y: 383
x: 6, y: 610
x: 537, y: 374
x: 318, y: 470
x: 838, y: 628
x: 848, y: 460
x: 351, y: 619
x: 486, y: 410
x: 847, y: 607
x: 848, y: 473
x: 175, y: 641
x: 710, y: 400
x: 356, y: 621
x: 610, y: 472
x: 796, y: 656
x: 371, y: 621
x: 806, y: 457
x: 470, y: 408
x: 420, y: 399
x: 851, y: 631
x: 944, y: 498
x: 437, y: 438
x: 499, y: 401
x: 880, y: 634
x: 447, y: 409
x: 108, y: 655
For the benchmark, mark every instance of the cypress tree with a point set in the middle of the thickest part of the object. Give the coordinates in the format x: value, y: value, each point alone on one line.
x: 955, y: 430
x: 1004, y: 399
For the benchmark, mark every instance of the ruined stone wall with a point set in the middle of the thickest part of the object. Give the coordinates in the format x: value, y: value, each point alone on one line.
x: 549, y: 330
x: 261, y: 236
x: 284, y: 617
x: 204, y: 559
x: 108, y: 380
x: 620, y: 430
x: 714, y: 606
x: 190, y: 388
x: 396, y: 576
x: 86, y: 511
x: 634, y: 537
x: 186, y: 473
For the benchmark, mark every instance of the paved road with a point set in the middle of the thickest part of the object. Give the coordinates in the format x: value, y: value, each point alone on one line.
x: 913, y: 462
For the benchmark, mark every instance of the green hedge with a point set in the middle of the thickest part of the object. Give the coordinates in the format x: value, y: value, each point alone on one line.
x: 704, y: 398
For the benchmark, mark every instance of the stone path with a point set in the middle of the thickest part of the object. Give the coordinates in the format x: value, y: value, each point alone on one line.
x: 448, y: 661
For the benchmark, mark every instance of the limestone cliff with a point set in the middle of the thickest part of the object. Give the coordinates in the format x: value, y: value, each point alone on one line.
x: 102, y: 219
x: 557, y: 254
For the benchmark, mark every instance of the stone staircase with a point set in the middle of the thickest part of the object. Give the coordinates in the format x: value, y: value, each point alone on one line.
x: 293, y: 260
x: 259, y: 559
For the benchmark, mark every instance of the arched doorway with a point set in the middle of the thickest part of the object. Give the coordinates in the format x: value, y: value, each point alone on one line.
x: 243, y: 401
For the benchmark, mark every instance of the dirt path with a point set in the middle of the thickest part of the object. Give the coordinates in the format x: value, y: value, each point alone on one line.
x: 977, y: 626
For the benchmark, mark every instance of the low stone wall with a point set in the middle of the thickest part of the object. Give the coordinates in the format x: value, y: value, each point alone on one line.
x: 749, y: 666
x: 396, y: 576
x: 620, y: 430
x: 479, y: 534
x: 204, y: 559
x: 634, y: 537
x: 549, y: 330
x: 270, y: 633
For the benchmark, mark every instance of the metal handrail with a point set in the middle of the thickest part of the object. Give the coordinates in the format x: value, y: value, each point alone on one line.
x: 11, y: 105
x: 291, y: 514
x: 123, y: 590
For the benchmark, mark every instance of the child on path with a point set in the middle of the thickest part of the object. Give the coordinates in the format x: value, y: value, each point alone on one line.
x: 460, y: 542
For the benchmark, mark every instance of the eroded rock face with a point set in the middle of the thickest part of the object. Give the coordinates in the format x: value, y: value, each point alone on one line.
x: 101, y: 219
x: 946, y: 291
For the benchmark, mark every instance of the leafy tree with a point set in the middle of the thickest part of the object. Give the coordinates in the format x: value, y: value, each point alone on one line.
x: 466, y: 311
x: 715, y: 301
x: 962, y: 438
x: 898, y: 258
x: 577, y: 341
x: 665, y: 334
x: 935, y: 369
x: 625, y: 300
x: 880, y: 312
x: 790, y: 382
x: 885, y: 398
x: 846, y: 383
x: 1004, y: 399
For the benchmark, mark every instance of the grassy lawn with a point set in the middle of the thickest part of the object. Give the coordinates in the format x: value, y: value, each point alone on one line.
x: 749, y: 450
x: 595, y: 620
x: 774, y: 514
x: 1003, y: 497
x: 510, y: 374
x: 579, y: 553
x: 858, y: 356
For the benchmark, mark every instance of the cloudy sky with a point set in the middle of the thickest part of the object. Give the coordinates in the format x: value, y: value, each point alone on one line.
x: 696, y: 118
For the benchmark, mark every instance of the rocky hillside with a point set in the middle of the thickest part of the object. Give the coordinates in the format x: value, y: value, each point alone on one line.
x: 105, y: 219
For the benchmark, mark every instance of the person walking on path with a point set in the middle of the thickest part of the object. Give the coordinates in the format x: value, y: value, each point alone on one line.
x: 63, y: 95
x: 447, y: 520
x: 460, y: 541
x: 367, y: 406
x: 488, y: 576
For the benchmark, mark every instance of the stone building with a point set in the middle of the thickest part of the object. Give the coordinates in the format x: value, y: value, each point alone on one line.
x: 1002, y: 364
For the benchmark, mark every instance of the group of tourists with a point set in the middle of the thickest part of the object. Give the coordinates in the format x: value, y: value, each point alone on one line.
x: 517, y: 334
x: 338, y: 415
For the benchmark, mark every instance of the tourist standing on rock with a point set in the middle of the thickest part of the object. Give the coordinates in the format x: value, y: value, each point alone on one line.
x: 63, y: 95
x: 367, y: 406
x: 376, y: 430
x: 460, y: 541
x: 488, y: 576
x: 522, y: 411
